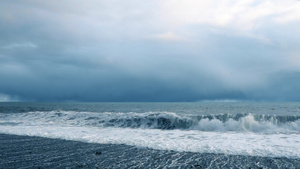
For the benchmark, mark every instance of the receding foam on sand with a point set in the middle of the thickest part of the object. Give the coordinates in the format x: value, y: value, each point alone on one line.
x: 35, y: 152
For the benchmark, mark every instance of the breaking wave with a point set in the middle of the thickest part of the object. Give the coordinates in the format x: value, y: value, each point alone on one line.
x: 160, y: 120
x: 238, y: 134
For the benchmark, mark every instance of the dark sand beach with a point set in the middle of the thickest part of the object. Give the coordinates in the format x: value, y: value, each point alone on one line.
x: 37, y: 152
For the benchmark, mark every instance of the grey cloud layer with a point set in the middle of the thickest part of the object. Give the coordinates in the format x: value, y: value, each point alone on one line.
x: 116, y: 51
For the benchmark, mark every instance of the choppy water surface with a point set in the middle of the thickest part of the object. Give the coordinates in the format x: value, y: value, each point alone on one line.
x: 255, y: 129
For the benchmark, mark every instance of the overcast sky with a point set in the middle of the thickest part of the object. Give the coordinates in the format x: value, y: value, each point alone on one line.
x: 141, y: 50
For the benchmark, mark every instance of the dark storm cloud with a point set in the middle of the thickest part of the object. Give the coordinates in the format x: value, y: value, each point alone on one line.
x: 133, y: 51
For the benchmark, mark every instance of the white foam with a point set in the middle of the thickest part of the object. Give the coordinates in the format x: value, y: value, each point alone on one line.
x: 254, y: 144
x: 247, y: 124
x: 150, y: 120
x: 245, y: 136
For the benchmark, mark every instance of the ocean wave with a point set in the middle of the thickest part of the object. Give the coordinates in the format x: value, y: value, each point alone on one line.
x: 235, y: 143
x: 161, y: 120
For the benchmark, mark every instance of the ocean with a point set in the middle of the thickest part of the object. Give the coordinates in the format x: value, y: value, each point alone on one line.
x: 189, y: 135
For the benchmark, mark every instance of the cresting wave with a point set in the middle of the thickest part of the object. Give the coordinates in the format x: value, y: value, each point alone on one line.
x: 160, y: 120
x: 240, y: 134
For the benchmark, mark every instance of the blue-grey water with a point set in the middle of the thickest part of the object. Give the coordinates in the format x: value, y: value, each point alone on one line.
x: 230, y: 128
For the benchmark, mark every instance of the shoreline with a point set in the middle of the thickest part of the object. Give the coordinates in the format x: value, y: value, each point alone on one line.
x: 38, y: 152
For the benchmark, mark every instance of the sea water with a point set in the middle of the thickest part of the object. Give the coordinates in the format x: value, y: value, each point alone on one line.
x: 238, y: 128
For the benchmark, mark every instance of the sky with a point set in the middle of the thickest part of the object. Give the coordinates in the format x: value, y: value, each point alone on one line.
x: 140, y: 50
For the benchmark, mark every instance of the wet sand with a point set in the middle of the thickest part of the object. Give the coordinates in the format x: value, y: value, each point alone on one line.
x: 36, y: 152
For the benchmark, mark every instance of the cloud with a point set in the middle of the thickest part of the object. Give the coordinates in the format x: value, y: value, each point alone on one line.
x: 19, y: 45
x: 168, y: 36
x: 8, y: 98
x: 241, y: 15
x: 149, y: 51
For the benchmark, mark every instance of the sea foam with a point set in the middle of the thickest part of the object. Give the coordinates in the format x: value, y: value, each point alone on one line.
x: 271, y: 145
x: 238, y: 134
x: 160, y: 120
